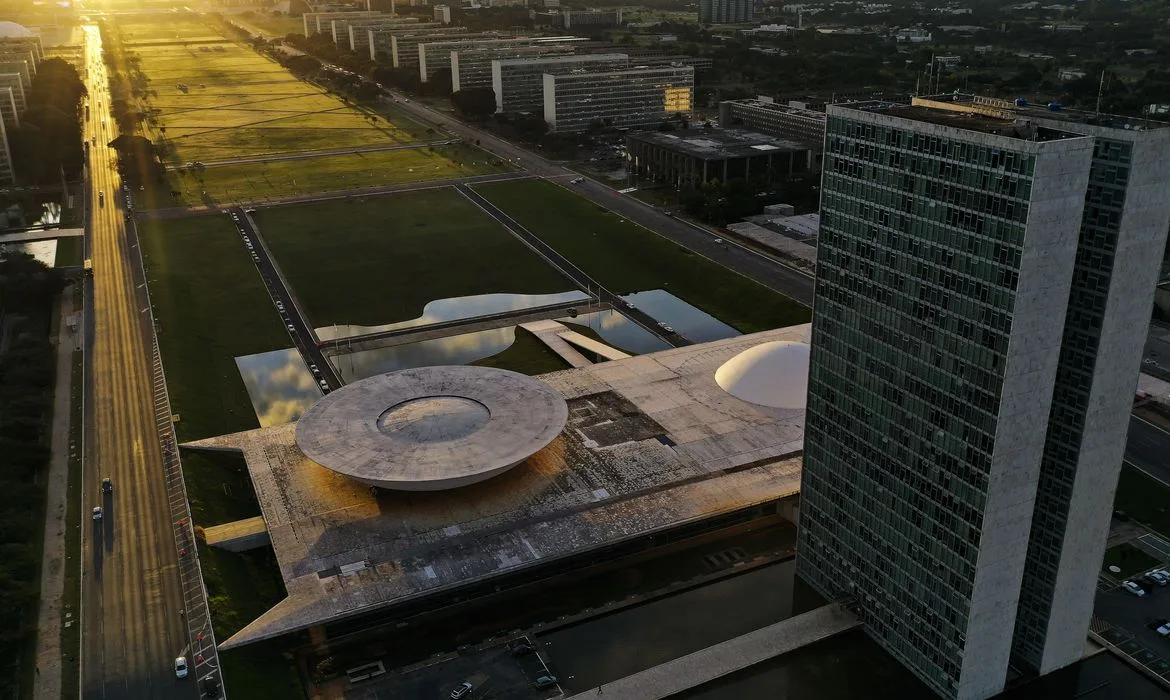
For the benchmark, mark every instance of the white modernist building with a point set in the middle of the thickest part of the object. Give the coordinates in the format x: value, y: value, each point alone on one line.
x: 519, y: 82
x: 472, y: 68
x: 622, y: 98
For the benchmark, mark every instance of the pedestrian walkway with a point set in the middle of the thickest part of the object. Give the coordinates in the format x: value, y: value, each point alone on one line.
x: 53, y: 560
x: 47, y: 234
x: 736, y: 654
x: 587, y: 343
x: 548, y: 332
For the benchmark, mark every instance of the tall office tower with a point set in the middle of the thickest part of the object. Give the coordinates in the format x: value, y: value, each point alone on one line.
x: 726, y: 11
x: 985, y: 279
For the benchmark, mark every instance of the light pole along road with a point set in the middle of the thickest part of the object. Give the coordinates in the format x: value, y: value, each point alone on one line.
x: 132, y: 625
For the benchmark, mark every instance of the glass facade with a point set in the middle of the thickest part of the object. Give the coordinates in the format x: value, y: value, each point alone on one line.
x: 918, y: 258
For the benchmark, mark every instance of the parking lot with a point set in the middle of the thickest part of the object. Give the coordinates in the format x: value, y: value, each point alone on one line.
x: 495, y: 670
x: 1127, y: 621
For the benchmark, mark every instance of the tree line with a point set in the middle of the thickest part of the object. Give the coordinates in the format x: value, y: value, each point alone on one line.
x: 28, y: 290
x: 48, y: 140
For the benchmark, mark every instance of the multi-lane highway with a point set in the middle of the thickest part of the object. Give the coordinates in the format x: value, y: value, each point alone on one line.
x: 132, y: 627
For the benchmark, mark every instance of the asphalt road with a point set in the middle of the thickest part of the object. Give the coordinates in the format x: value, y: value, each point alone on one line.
x: 1148, y: 449
x: 294, y: 320
x: 131, y: 627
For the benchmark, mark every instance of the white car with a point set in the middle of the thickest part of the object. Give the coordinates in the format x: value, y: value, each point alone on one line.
x: 1133, y: 588
x: 1164, y: 630
x: 462, y: 690
x: 97, y: 512
x: 1160, y: 576
x: 181, y: 667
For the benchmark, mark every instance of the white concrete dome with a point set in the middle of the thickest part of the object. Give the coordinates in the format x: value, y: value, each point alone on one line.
x: 432, y: 428
x: 10, y: 30
x: 774, y: 375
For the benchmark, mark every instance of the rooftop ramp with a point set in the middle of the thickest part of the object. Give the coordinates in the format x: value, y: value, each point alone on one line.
x: 587, y: 343
x: 238, y: 536
x: 735, y: 654
x: 549, y: 333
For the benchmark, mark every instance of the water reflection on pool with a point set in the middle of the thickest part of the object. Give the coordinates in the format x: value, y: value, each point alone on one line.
x: 454, y: 308
x: 279, y: 384
x: 44, y: 251
x: 619, y: 331
x: 453, y: 350
x: 694, y: 324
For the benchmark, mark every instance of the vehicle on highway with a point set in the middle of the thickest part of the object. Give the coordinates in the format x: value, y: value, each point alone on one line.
x: 280, y: 306
x: 290, y: 328
x: 314, y: 370
x: 97, y: 512
x: 576, y: 181
x: 630, y: 305
x: 181, y: 667
x: 718, y: 241
x: 665, y: 327
x: 545, y: 682
x: 1131, y: 587
x: 462, y: 690
x: 324, y: 384
x: 107, y: 485
x: 101, y: 199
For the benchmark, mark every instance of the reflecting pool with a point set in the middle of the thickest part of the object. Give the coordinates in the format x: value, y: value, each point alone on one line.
x: 279, y: 384
x: 694, y: 324
x: 453, y: 350
x: 454, y: 308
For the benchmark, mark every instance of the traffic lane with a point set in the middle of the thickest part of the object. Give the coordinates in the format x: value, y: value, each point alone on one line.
x: 295, y: 323
x: 795, y: 284
x: 1148, y: 448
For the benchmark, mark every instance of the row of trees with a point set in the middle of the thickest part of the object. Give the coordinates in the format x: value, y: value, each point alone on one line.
x: 48, y: 141
x: 27, y: 292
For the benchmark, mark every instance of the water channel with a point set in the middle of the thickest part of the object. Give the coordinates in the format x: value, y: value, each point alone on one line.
x: 279, y: 385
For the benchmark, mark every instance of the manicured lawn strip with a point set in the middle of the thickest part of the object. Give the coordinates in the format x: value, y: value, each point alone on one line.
x: 625, y: 257
x: 262, y: 671
x: 381, y: 259
x: 211, y: 306
x: 1144, y: 498
x: 1129, y: 559
x: 256, y: 182
x: 527, y: 355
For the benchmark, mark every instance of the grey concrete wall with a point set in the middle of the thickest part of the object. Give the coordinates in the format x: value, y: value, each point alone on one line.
x: 1141, y: 242
x: 1045, y: 277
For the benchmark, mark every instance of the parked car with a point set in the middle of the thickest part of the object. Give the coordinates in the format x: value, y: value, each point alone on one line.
x: 545, y: 682
x: 1156, y: 623
x: 107, y: 485
x: 1133, y: 588
x: 181, y: 667
x: 1121, y: 515
x: 1159, y: 577
x: 462, y: 690
x: 522, y: 649
x: 1163, y: 631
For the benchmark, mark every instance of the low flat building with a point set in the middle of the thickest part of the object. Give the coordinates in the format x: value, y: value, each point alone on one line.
x: 473, y: 68
x: 380, y: 39
x: 15, y: 83
x: 519, y: 83
x: 346, y: 30
x: 404, y: 47
x: 575, y: 19
x: 435, y: 56
x: 767, y: 117
x: 696, y: 156
x: 686, y: 440
x: 7, y: 173
x: 319, y: 22
x: 619, y: 98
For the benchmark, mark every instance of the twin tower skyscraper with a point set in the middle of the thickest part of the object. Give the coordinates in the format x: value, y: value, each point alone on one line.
x: 984, y: 287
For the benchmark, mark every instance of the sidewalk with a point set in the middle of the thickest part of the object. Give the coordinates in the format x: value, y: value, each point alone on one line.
x: 48, y: 685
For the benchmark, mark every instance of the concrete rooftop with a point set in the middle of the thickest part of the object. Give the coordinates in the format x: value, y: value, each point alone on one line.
x: 651, y: 442
x: 431, y: 428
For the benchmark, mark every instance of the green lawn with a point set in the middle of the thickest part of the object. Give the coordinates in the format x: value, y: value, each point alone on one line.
x: 380, y: 260
x: 527, y: 355
x: 256, y: 182
x: 69, y: 251
x: 1144, y: 498
x: 1129, y: 559
x: 625, y: 257
x: 211, y: 306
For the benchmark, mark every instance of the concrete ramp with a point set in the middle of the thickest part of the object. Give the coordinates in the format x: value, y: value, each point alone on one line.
x: 549, y: 333
x: 733, y: 655
x: 587, y: 343
x: 238, y: 536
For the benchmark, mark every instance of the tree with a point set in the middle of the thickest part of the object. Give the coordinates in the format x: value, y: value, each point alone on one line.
x: 475, y: 102
x: 48, y: 140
